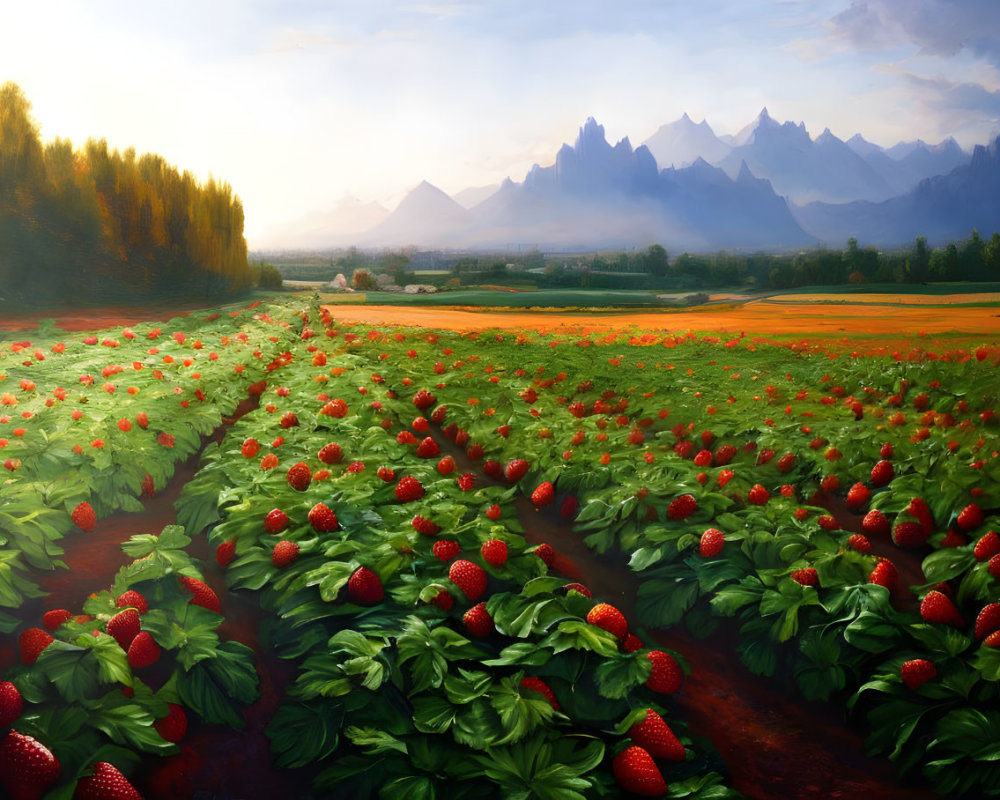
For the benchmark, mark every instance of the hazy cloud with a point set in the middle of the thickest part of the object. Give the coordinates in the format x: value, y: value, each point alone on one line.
x: 938, y: 27
x: 945, y: 95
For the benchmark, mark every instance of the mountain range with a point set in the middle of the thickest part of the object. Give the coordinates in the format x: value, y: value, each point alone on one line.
x: 769, y: 186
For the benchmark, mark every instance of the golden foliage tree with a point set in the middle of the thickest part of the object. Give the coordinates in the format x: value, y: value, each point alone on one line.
x: 103, y: 225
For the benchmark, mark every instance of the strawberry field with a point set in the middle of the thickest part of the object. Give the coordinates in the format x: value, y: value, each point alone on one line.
x: 408, y: 563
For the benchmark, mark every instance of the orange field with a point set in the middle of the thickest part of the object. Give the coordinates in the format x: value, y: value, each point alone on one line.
x: 872, y: 329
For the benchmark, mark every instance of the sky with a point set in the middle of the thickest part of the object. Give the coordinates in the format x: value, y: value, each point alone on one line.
x: 299, y: 104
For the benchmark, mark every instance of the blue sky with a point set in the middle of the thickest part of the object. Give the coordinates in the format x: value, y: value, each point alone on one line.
x: 299, y: 104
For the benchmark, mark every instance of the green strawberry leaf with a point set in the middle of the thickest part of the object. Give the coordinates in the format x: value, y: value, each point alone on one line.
x: 129, y: 725
x: 302, y: 734
x: 617, y: 677
x: 71, y: 669
x: 519, y: 714
x: 215, y: 688
x: 580, y: 635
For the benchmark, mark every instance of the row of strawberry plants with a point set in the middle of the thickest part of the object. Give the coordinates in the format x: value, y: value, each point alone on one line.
x: 118, y: 680
x: 90, y: 424
x: 773, y: 583
x: 98, y: 690
x: 772, y: 580
x: 404, y: 665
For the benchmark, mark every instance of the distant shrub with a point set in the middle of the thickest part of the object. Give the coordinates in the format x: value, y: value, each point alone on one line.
x: 266, y: 276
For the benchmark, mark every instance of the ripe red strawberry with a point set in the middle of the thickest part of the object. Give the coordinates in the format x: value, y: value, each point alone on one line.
x: 331, y: 453
x: 364, y: 586
x: 494, y: 552
x: 299, y: 476
x: 11, y: 703
x: 478, y: 621
x: 132, y: 599
x: 885, y: 450
x: 608, y: 618
x: 993, y: 565
x: 630, y: 643
x: 859, y: 542
x: 275, y: 521
x: 84, y: 516
x: 203, y: 594
x: 532, y: 683
x: 636, y: 772
x: 987, y: 546
x: 438, y: 415
x: 105, y: 783
x: 148, y: 487
x: 322, y: 518
x: 682, y: 507
x: 655, y: 736
x: 56, y: 617
x: 493, y: 469
x: 284, y: 553
x: 547, y: 553
x: 919, y: 509
x: 828, y: 523
x: 516, y: 469
x: 124, y: 627
x: 544, y: 494
x: 225, y: 553
x: 938, y: 608
x: 875, y: 523
x: 424, y: 399
x: 953, y: 539
x: 578, y: 587
x: 409, y: 489
x: 806, y: 576
x: 993, y: 640
x: 764, y: 456
x: 428, y: 448
x: 288, y: 420
x: 446, y: 549
x: 31, y: 642
x: 909, y: 534
x: 724, y: 455
x: 568, y: 508
x: 443, y: 600
x: 144, y: 651
x: 917, y: 672
x: 27, y: 767
x: 885, y: 574
x: 970, y: 517
x: 882, y: 473
x: 711, y: 543
x: 858, y: 495
x: 988, y: 620
x: 758, y: 495
x: 703, y: 458
x: 173, y: 726
x: 424, y: 526
x: 250, y: 448
x: 386, y: 474
x: 467, y: 482
x: 786, y: 463
x: 666, y: 675
x: 469, y: 577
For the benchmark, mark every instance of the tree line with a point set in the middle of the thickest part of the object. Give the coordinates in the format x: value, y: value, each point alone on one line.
x: 99, y: 225
x: 974, y: 259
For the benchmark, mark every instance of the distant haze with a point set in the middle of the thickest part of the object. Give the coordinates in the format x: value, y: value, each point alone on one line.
x: 300, y: 105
